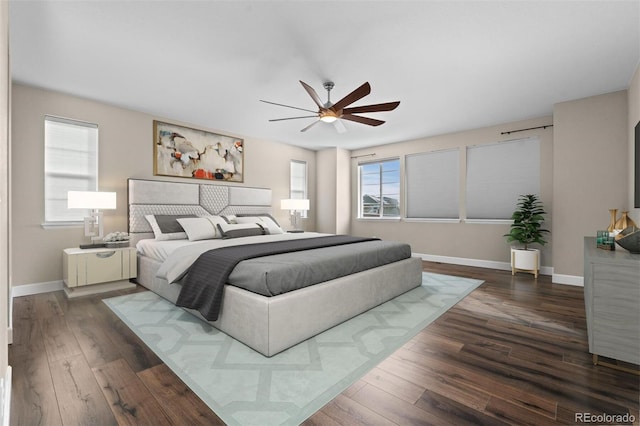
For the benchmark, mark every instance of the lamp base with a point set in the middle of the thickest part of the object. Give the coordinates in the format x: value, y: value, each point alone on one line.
x: 92, y: 245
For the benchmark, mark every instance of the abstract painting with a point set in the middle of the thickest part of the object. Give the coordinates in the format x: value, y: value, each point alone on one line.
x: 191, y: 153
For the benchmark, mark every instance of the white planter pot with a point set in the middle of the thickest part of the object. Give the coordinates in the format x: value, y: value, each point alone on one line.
x: 525, y: 261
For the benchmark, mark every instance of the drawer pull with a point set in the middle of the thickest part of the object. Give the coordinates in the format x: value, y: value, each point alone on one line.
x: 105, y: 254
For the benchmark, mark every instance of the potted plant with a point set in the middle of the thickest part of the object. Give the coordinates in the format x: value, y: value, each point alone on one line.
x: 526, y: 229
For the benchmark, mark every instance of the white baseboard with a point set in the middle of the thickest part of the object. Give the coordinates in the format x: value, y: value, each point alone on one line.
x: 36, y: 288
x: 10, y: 322
x: 568, y: 280
x: 5, y: 398
x: 503, y: 266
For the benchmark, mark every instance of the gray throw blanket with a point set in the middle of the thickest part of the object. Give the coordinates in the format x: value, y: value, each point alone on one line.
x: 202, y: 286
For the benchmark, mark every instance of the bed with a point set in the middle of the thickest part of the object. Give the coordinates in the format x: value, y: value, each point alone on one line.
x: 261, y: 321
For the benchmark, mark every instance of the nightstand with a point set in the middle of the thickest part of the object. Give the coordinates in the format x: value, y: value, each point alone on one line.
x: 91, y: 271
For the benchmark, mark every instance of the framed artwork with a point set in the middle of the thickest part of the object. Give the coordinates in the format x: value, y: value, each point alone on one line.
x: 191, y: 153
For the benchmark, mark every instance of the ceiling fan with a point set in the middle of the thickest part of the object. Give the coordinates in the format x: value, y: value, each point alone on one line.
x: 332, y: 113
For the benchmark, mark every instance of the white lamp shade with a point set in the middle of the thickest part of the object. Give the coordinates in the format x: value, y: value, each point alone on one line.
x: 91, y: 200
x: 294, y: 204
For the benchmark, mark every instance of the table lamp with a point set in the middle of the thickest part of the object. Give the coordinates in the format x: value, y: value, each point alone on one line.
x: 296, y: 206
x: 94, y: 201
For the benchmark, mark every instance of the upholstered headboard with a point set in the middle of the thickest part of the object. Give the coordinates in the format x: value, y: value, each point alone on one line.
x: 162, y: 197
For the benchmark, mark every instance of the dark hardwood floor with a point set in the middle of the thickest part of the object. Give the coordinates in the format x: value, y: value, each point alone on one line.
x: 512, y: 352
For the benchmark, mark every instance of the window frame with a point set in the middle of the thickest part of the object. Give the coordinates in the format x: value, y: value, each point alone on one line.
x: 293, y: 193
x: 51, y: 220
x: 381, y: 216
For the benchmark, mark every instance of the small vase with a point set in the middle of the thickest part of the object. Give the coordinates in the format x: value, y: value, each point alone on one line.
x: 612, y: 224
x: 624, y: 222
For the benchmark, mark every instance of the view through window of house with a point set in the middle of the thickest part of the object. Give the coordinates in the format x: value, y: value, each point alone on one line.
x: 380, y: 189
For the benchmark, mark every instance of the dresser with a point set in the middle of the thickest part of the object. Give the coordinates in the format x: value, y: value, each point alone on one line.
x: 90, y: 271
x: 612, y: 302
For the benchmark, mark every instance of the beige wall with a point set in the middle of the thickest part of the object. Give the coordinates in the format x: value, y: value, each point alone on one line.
x: 575, y: 194
x: 458, y: 240
x: 343, y: 191
x: 5, y: 137
x: 325, y: 206
x: 125, y: 139
x: 634, y: 118
x: 333, y: 191
x: 590, y: 152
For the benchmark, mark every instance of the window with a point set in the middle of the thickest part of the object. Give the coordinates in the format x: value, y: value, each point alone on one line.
x: 379, y: 189
x: 498, y: 174
x: 433, y: 185
x: 70, y: 164
x: 298, y: 182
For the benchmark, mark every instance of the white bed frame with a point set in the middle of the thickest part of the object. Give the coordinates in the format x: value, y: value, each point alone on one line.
x: 267, y: 324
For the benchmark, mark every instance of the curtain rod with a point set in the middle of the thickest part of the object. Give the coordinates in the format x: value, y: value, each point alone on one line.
x: 364, y: 155
x: 522, y: 130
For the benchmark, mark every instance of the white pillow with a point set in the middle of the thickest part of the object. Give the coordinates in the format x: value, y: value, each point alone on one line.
x: 265, y: 221
x: 161, y: 236
x: 215, y: 220
x: 202, y: 228
x: 198, y: 228
x: 230, y: 218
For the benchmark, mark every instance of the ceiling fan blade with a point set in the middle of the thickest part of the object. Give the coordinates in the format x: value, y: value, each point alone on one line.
x: 357, y: 94
x: 313, y: 94
x: 363, y: 120
x: 310, y: 125
x: 294, y: 118
x: 339, y: 125
x: 287, y: 106
x: 389, y: 106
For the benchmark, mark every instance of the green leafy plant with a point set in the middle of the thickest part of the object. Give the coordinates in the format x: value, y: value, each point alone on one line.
x: 527, y: 222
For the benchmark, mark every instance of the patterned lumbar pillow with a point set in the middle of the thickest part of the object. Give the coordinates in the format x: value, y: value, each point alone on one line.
x: 237, y: 230
x: 265, y: 221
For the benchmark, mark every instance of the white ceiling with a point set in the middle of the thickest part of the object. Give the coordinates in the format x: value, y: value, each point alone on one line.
x: 454, y: 65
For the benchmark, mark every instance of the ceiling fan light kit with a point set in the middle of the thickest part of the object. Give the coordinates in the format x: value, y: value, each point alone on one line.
x: 331, y: 113
x: 328, y: 117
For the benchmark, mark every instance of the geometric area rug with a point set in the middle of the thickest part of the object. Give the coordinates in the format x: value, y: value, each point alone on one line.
x: 244, y: 387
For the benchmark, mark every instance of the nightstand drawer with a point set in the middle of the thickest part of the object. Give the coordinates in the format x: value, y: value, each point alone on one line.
x: 95, y: 266
x: 103, y: 266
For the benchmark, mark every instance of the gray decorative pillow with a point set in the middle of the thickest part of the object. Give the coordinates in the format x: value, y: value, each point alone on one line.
x: 238, y: 230
x: 166, y: 227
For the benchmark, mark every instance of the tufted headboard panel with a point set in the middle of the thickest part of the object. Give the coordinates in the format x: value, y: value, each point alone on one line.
x: 163, y: 197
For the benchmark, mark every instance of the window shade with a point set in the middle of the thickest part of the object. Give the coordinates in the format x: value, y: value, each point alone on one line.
x: 298, y: 182
x: 70, y: 164
x: 498, y: 174
x: 433, y: 185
